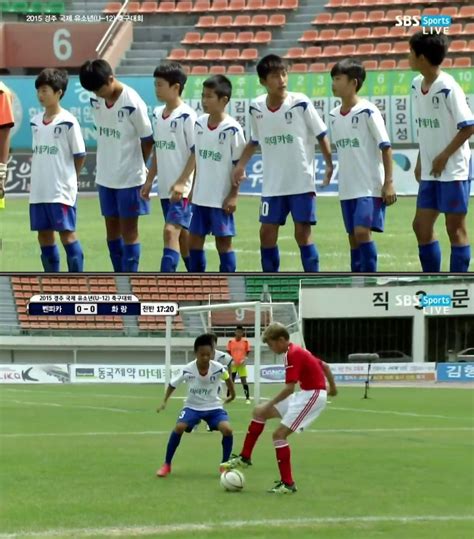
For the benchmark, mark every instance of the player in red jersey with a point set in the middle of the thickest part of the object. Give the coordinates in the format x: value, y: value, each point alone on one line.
x: 295, y: 410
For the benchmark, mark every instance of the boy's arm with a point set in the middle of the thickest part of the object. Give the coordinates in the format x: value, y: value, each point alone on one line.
x: 152, y: 171
x: 330, y: 378
x: 147, y: 146
x: 177, y: 188
x: 4, y: 151
x: 239, y: 171
x: 169, y: 391
x: 418, y: 168
x: 325, y: 148
x: 388, y: 190
x: 439, y: 162
x: 284, y: 393
x: 231, y: 389
x: 79, y: 163
x: 230, y: 202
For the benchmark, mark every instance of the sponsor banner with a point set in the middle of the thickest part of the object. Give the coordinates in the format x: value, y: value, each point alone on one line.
x: 455, y: 372
x: 121, y: 374
x: 389, y: 90
x: 400, y: 377
x: 383, y: 368
x: 33, y: 374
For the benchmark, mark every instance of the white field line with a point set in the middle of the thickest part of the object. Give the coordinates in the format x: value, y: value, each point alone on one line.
x: 56, y: 405
x: 162, y: 432
x: 169, y: 529
x: 394, y: 412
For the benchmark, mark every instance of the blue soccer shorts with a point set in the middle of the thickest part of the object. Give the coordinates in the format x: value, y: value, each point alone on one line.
x: 274, y: 210
x: 193, y: 417
x: 213, y: 221
x: 177, y: 213
x: 446, y: 197
x: 367, y: 212
x: 122, y: 203
x: 52, y: 216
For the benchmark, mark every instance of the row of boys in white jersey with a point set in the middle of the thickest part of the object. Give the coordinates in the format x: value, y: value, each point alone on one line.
x: 287, y: 139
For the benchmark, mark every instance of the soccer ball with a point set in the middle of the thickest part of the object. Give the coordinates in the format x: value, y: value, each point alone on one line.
x: 232, y: 480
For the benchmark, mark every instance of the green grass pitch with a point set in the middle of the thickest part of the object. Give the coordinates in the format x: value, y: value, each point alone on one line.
x: 397, y: 246
x: 79, y: 460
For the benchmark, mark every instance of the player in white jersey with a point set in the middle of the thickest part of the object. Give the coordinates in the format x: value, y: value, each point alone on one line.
x: 203, y: 377
x: 286, y: 126
x: 173, y: 161
x: 445, y: 123
x: 219, y: 142
x: 58, y: 156
x: 365, y: 163
x: 124, y: 143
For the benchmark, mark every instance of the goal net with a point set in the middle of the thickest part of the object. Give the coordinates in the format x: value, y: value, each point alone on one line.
x: 222, y: 319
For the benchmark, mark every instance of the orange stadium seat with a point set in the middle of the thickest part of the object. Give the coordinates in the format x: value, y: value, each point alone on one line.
x: 213, y: 55
x: 347, y: 50
x: 227, y: 37
x: 400, y: 47
x: 271, y: 4
x: 403, y: 64
x: 341, y: 17
x: 362, y: 33
x: 254, y: 5
x: 397, y: 31
x: 205, y: 21
x: 236, y: 5
x: 358, y: 17
x: 322, y: 18
x: 459, y: 45
x: 431, y: 11
x: 248, y: 55
x: 455, y: 29
x: 449, y: 10
x: 199, y: 70
x: 134, y: 7
x: 365, y: 49
x: 177, y: 54
x: 294, y: 52
x: 209, y: 38
x: 383, y: 48
x: 299, y: 68
x: 262, y: 37
x: 344, y: 34
x: 223, y: 21
x: 184, y: 7
x: 113, y: 7
x: 289, y: 4
x: 327, y: 35
x: 370, y: 64
x: 379, y: 32
x: 167, y: 7
x: 313, y: 52
x: 245, y: 37
x: 352, y: 3
x: 309, y: 36
x: 220, y: 5
x: 259, y: 20
x: 277, y: 19
x: 471, y: 45
x: 242, y: 21
x: 317, y: 67
x: 466, y: 12
x: 447, y: 62
x: 377, y: 15
x: 462, y: 61
x: 150, y: 7
x: 195, y: 55
x: 392, y: 14
x: 217, y: 70
x: 231, y: 55
x: 191, y: 38
x: 235, y: 69
x: 334, y: 3
x: 331, y: 50
x: 202, y: 6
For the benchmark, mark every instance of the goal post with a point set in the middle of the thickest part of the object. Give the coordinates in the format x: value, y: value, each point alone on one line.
x: 221, y: 318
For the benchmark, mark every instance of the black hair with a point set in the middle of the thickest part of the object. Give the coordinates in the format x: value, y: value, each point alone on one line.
x: 432, y: 46
x: 172, y: 73
x: 220, y: 84
x: 214, y: 337
x: 57, y: 79
x: 239, y: 327
x: 270, y: 64
x: 93, y: 75
x: 203, y: 340
x: 352, y: 68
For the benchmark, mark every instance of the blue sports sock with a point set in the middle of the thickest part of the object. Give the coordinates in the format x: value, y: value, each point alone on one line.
x: 116, y: 253
x: 270, y: 257
x: 460, y: 258
x: 169, y: 260
x: 430, y: 257
x: 197, y: 261
x: 187, y: 262
x: 228, y: 262
x: 227, y: 443
x: 75, y: 257
x: 173, y: 443
x: 355, y: 260
x: 309, y: 257
x: 50, y: 258
x: 131, y: 257
x: 368, y: 257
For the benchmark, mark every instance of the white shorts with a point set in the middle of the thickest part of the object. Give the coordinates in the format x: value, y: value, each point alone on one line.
x: 300, y: 409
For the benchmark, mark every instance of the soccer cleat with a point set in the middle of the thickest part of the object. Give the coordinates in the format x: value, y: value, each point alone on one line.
x: 247, y: 401
x: 237, y: 461
x: 222, y: 469
x: 282, y: 488
x: 164, y: 470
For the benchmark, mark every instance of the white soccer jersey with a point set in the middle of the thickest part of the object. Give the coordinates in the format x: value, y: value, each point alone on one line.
x: 217, y: 151
x: 358, y: 136
x: 203, y: 391
x: 439, y: 114
x: 223, y: 358
x: 53, y: 175
x: 174, y: 144
x: 287, y: 137
x: 119, y: 130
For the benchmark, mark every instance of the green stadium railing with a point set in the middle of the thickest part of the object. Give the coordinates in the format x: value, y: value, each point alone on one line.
x: 35, y: 8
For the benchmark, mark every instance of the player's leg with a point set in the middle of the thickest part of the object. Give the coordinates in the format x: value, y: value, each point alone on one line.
x: 40, y: 222
x: 369, y: 215
x: 367, y: 249
x: 355, y: 253
x: 347, y: 209
x: 260, y: 415
x: 130, y: 206
x: 426, y: 214
x: 223, y: 229
x: 178, y: 218
x: 199, y: 228
x: 243, y: 379
x: 273, y: 213
x: 233, y: 374
x: 74, y: 253
x: 110, y: 212
x: 219, y: 420
x: 286, y: 485
x: 184, y: 247
x: 454, y: 203
x: 303, y: 211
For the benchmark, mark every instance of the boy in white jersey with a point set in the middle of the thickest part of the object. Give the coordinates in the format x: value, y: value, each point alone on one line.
x: 124, y: 143
x: 286, y: 125
x: 203, y: 376
x: 58, y: 156
x: 445, y: 124
x: 219, y: 142
x: 365, y: 163
x: 173, y: 160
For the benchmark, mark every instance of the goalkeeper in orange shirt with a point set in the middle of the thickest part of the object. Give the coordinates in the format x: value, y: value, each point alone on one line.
x: 239, y: 348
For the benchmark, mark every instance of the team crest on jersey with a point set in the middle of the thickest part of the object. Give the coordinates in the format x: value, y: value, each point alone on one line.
x: 212, y: 379
x: 222, y: 137
x: 173, y: 126
x: 435, y: 102
x: 121, y: 115
x: 355, y: 122
x: 57, y: 132
x: 288, y: 117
